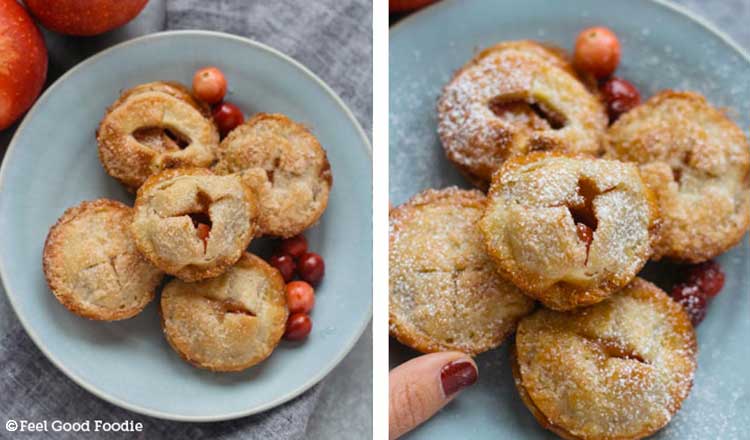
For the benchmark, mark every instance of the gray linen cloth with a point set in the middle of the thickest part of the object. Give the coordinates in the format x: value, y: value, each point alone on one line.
x: 333, y: 38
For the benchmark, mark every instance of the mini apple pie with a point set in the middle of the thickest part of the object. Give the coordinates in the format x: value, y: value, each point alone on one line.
x: 92, y: 265
x: 227, y: 323
x: 697, y: 161
x: 152, y: 127
x: 445, y: 293
x: 285, y: 166
x: 193, y: 224
x: 512, y: 99
x: 568, y: 231
x: 617, y: 370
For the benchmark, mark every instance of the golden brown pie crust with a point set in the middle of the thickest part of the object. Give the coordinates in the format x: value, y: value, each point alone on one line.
x: 617, y: 370
x: 228, y: 323
x: 92, y: 265
x: 153, y: 127
x: 697, y: 161
x: 512, y: 99
x: 530, y: 226
x: 445, y: 293
x: 285, y: 166
x: 165, y: 231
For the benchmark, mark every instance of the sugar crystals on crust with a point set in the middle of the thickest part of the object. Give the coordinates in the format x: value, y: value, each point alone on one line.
x: 569, y: 231
x: 92, y: 265
x: 227, y: 323
x: 153, y: 127
x: 617, y: 370
x: 192, y: 223
x: 512, y: 99
x: 697, y: 161
x: 283, y: 163
x: 445, y: 293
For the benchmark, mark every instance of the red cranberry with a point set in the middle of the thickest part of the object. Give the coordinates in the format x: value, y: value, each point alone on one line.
x: 298, y: 326
x: 285, y: 264
x: 300, y: 297
x: 227, y: 116
x: 620, y: 96
x: 311, y: 268
x: 692, y: 299
x: 209, y: 85
x: 708, y: 276
x: 597, y: 51
x: 295, y: 246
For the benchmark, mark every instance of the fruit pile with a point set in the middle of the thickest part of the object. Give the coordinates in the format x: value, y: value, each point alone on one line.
x: 597, y: 52
x: 210, y: 86
x: 23, y: 54
x: 293, y: 259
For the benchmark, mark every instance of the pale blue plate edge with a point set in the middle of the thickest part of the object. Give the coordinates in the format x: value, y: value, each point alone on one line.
x: 665, y: 3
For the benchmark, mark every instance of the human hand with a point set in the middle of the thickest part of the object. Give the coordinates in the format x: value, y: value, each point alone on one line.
x: 422, y: 386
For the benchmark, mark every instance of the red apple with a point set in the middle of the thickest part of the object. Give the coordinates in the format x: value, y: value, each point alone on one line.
x: 407, y: 5
x: 23, y: 62
x: 84, y: 17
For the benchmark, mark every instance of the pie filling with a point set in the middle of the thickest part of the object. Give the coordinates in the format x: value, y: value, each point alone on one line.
x: 235, y: 307
x: 616, y: 349
x: 533, y: 114
x: 202, y: 219
x: 161, y: 139
x: 583, y: 214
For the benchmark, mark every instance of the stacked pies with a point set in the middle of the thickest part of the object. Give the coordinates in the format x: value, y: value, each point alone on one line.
x: 573, y: 211
x: 199, y: 202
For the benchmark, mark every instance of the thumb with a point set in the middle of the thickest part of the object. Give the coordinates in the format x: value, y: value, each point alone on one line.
x: 420, y: 387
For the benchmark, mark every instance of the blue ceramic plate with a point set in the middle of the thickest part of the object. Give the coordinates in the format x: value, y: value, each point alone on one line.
x: 662, y: 47
x: 52, y: 164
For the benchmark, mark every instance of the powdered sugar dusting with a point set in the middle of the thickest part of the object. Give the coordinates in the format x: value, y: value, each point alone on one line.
x: 444, y: 291
x: 630, y: 363
x: 531, y: 222
x: 478, y: 138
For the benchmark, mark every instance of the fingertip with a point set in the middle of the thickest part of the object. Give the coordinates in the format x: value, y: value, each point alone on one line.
x: 458, y: 374
x: 423, y: 385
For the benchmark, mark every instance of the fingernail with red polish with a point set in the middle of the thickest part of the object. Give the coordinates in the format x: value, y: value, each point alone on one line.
x: 457, y: 375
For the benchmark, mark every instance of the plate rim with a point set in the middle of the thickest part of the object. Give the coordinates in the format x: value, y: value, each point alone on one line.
x: 668, y: 4
x: 347, y: 347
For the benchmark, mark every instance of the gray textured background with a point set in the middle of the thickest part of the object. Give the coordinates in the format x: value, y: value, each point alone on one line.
x: 333, y: 38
